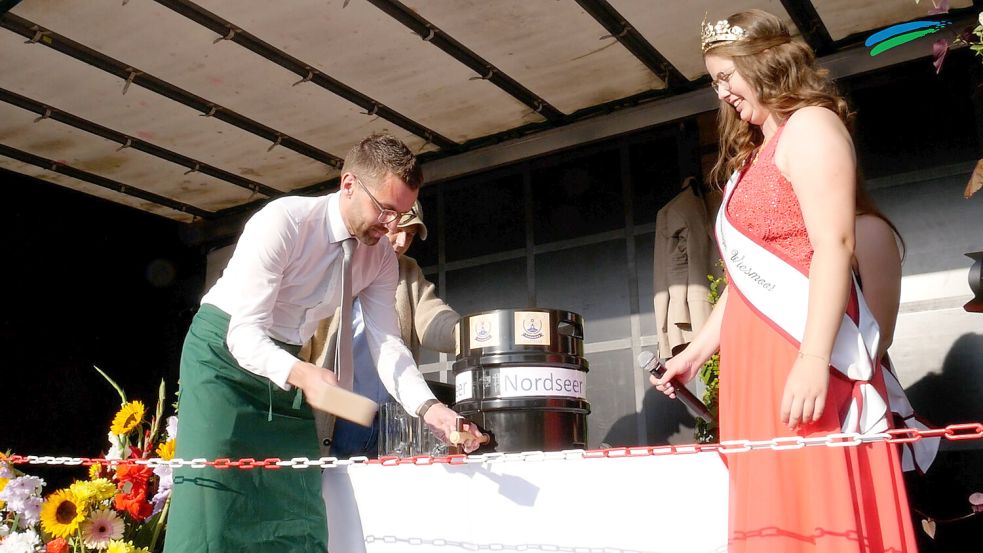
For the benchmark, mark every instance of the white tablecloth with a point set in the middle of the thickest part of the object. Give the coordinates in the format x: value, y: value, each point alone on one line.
x: 664, y: 504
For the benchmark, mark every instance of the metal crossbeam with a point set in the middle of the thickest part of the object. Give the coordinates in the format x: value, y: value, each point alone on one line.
x: 130, y: 74
x: 430, y: 33
x: 48, y: 112
x: 115, y: 186
x: 634, y: 42
x: 806, y: 18
x: 250, y: 42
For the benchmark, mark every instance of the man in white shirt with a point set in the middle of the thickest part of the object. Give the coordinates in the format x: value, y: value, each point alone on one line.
x: 425, y: 321
x: 242, y: 386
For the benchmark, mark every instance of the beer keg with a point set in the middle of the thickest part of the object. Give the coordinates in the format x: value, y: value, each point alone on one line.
x: 520, y: 374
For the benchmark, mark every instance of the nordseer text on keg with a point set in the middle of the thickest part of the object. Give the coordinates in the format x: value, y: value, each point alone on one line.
x: 555, y: 382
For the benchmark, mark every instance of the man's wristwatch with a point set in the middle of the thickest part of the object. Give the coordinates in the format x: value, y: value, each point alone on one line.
x: 422, y: 410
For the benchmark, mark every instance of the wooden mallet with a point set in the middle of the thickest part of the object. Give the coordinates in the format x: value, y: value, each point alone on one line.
x: 342, y: 403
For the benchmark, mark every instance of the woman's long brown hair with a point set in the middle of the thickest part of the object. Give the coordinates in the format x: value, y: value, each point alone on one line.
x: 865, y: 206
x: 783, y: 74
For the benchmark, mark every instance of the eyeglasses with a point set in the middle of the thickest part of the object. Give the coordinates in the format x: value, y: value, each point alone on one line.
x: 723, y: 79
x: 386, y: 216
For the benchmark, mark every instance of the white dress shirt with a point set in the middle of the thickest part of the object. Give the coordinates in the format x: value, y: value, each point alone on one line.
x: 285, y: 276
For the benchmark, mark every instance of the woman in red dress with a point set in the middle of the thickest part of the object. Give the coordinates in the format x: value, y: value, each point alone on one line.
x: 791, y: 201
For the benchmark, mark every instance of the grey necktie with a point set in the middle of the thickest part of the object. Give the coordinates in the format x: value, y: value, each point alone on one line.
x: 343, y: 358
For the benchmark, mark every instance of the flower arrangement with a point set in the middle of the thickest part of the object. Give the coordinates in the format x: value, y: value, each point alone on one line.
x: 970, y: 36
x: 707, y: 431
x: 120, y: 507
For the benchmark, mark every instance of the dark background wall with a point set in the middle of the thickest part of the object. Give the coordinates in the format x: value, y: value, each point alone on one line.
x: 86, y: 282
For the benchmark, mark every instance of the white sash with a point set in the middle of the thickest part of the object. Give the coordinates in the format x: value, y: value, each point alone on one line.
x: 914, y: 455
x: 780, y: 292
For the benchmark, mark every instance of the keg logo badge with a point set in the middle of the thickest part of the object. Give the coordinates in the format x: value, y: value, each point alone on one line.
x: 483, y: 331
x: 530, y: 328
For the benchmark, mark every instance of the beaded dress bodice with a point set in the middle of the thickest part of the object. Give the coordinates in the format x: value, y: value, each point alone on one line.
x: 765, y: 207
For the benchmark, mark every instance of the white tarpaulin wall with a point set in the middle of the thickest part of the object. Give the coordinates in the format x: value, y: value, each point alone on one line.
x: 656, y: 504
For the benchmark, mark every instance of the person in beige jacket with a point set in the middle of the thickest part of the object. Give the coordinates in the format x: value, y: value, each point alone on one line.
x: 684, y: 255
x: 424, y: 321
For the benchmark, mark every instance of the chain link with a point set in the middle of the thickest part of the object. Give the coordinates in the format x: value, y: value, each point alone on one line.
x: 955, y: 432
x: 497, y: 546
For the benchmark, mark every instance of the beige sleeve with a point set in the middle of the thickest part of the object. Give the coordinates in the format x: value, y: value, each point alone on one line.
x: 660, y: 286
x: 320, y: 348
x: 433, y: 318
x: 699, y: 263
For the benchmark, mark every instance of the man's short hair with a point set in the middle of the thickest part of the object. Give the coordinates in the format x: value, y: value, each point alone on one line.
x: 378, y: 154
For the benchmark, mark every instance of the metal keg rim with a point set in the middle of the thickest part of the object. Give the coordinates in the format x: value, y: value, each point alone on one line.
x: 576, y: 315
x: 561, y: 404
x: 521, y: 359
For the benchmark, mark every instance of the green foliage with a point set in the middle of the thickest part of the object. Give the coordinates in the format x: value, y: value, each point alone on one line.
x: 707, y: 432
x: 972, y: 38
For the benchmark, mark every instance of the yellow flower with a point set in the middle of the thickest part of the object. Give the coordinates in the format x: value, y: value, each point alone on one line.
x: 166, y: 450
x: 93, y: 491
x: 119, y: 546
x: 95, y: 470
x: 61, y: 513
x: 3, y: 484
x: 129, y: 416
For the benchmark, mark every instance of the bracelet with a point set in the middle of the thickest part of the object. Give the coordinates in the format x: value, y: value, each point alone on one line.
x: 820, y: 357
x: 422, y: 409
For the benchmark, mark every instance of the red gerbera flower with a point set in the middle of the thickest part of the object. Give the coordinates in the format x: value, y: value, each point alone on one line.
x: 136, y: 475
x: 135, y: 503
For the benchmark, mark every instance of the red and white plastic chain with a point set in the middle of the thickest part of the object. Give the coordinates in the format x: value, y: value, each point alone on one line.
x: 955, y: 432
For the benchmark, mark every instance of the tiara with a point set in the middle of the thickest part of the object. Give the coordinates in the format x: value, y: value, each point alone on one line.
x: 722, y: 31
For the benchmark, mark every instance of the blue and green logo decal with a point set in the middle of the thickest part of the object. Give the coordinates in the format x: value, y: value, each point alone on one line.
x: 896, y: 35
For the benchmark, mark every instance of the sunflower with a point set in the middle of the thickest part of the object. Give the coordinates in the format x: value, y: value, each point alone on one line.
x: 128, y: 417
x: 100, y: 528
x: 166, y: 450
x: 61, y: 513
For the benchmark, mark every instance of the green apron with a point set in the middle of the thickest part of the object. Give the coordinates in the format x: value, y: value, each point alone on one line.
x: 226, y: 411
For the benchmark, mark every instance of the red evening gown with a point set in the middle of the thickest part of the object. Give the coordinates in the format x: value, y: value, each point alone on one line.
x: 815, y: 499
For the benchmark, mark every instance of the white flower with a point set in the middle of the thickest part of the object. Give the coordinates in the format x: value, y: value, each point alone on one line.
x: 22, y: 487
x: 172, y: 420
x: 115, y: 446
x: 101, y: 527
x: 166, y: 475
x: 19, y: 492
x: 158, y: 500
x: 31, y: 513
x: 4, y: 530
x: 20, y: 542
x: 981, y: 18
x: 5, y: 471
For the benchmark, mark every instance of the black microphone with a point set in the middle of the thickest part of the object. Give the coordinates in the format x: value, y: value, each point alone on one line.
x: 650, y: 362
